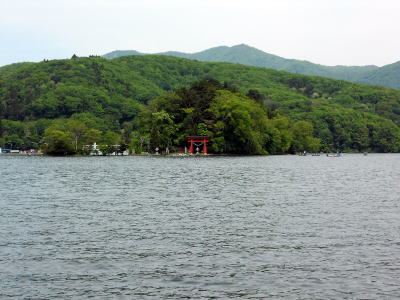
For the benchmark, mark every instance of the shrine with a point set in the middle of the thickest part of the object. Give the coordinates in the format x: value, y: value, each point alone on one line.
x: 202, y: 140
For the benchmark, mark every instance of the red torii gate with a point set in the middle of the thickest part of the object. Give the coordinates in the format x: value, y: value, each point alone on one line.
x: 198, y: 139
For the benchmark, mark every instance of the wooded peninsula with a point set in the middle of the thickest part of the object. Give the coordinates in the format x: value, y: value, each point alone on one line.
x: 149, y: 102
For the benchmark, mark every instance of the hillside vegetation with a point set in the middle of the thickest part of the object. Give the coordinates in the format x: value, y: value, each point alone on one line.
x: 95, y: 99
x: 14, y: 67
x: 388, y: 75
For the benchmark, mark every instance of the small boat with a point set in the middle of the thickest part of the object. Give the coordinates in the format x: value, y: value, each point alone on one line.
x: 334, y: 154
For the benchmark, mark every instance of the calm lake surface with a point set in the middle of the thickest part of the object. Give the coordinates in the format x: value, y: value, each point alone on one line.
x: 259, y: 227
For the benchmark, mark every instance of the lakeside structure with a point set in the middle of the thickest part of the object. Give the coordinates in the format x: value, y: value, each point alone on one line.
x: 198, y: 141
x: 6, y: 151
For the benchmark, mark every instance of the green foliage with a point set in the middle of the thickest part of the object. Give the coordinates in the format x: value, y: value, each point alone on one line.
x: 144, y: 98
x: 14, y: 67
x: 235, y: 123
x: 77, y: 131
x: 110, y: 143
x: 302, y: 138
x: 140, y: 142
x: 57, y: 142
x: 387, y: 75
x: 162, y: 129
x: 240, y: 122
x: 281, y: 135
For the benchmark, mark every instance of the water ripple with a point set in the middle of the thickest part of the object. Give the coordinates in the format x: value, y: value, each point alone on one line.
x: 200, y: 228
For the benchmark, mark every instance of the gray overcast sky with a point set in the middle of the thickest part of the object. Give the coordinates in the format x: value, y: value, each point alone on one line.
x: 330, y: 32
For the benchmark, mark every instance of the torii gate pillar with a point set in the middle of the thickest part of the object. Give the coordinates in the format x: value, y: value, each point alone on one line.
x: 198, y: 139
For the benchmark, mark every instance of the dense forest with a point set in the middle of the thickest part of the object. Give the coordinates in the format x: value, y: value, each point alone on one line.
x: 143, y: 102
x: 388, y: 75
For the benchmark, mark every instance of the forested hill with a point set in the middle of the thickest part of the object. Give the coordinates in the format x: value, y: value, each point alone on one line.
x: 14, y: 67
x: 388, y: 75
x: 110, y: 94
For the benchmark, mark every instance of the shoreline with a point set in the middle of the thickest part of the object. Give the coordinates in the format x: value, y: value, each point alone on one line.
x: 194, y: 155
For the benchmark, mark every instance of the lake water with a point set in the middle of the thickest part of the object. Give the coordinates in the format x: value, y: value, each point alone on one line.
x: 258, y: 227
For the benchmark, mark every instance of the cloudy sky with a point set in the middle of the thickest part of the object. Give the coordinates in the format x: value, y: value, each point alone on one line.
x: 330, y: 32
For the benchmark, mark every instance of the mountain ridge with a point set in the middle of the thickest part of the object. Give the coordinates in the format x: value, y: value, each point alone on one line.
x: 388, y: 75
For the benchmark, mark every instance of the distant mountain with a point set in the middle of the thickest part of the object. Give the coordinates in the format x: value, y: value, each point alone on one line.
x: 119, y: 53
x: 388, y: 75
